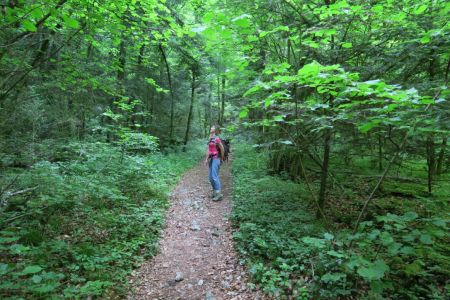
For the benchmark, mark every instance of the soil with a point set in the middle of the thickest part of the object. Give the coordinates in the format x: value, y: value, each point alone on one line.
x: 196, y: 258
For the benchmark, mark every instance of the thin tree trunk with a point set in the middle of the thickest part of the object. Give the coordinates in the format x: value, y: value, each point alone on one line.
x: 431, y: 155
x: 431, y: 161
x: 380, y: 153
x: 441, y: 156
x: 324, y: 174
x: 121, y: 69
x: 172, y: 98
x: 191, y: 107
x: 219, y: 121
x: 141, y: 55
x: 82, y: 126
x: 222, y: 118
x: 208, y: 113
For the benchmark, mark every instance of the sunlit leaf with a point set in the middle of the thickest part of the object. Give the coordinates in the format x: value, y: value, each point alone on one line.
x: 29, y: 26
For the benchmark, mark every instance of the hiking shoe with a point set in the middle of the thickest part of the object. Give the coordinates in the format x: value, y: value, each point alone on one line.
x: 218, y: 197
x: 212, y: 195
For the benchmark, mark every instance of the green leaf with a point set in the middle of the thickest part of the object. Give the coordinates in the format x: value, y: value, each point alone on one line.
x: 263, y: 33
x: 386, y: 238
x: 7, y: 240
x: 377, y: 8
x: 315, y: 242
x: 425, y: 39
x: 420, y: 9
x: 252, y: 90
x: 394, y: 248
x: 311, y: 69
x: 278, y: 118
x: 208, y: 17
x: 332, y: 277
x: 440, y: 223
x: 31, y: 270
x: 243, y: 113
x: 366, y: 127
x: 36, y: 278
x: 328, y: 236
x: 374, y: 270
x: 29, y: 26
x: 252, y: 38
x: 225, y: 34
x: 335, y: 254
x: 410, y: 216
x: 71, y: 23
x: 413, y: 268
x: 37, y: 13
x: 3, y: 269
x: 347, y: 45
x: 426, y: 239
x: 242, y: 21
x: 407, y: 250
x: 19, y: 249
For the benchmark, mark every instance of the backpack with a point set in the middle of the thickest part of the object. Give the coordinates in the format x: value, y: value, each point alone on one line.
x: 226, y: 147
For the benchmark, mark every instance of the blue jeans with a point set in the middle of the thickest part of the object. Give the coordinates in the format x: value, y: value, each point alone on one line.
x: 214, y: 167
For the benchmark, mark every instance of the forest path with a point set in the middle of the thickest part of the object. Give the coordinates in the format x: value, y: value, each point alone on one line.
x: 196, y: 258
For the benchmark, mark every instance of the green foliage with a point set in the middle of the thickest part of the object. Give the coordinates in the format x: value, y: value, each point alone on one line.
x: 95, y: 215
x: 288, y: 252
x: 342, y: 82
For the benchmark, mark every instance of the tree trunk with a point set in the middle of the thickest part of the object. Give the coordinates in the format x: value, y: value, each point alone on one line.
x: 172, y: 98
x: 82, y: 126
x: 441, y: 156
x: 191, y: 107
x: 324, y: 174
x: 431, y: 161
x: 222, y: 118
x: 208, y: 113
x: 121, y: 69
x: 141, y: 55
x: 219, y: 121
x: 380, y: 152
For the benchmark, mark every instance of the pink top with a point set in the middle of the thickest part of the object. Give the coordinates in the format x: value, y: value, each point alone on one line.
x: 212, y: 147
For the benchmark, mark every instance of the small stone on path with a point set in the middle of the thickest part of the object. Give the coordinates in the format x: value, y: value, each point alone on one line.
x: 225, y: 285
x: 195, y: 226
x: 179, y: 277
x: 209, y: 296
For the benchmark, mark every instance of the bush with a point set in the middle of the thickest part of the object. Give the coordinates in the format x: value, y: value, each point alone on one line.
x: 87, y: 222
x: 289, y: 253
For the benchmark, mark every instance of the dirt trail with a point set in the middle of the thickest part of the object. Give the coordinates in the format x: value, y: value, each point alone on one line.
x: 196, y: 258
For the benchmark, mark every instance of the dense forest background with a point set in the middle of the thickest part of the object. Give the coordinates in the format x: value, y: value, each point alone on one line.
x: 343, y: 194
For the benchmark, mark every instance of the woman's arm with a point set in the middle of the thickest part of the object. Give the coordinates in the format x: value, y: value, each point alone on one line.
x: 222, y: 152
x: 207, y: 155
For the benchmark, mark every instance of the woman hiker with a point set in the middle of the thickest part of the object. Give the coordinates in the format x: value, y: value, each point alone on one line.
x: 214, y: 157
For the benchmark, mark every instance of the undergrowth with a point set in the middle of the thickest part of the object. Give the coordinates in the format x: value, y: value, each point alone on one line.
x: 401, y: 255
x: 78, y: 225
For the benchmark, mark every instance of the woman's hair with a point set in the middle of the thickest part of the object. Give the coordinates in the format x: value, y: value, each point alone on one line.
x: 217, y: 128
